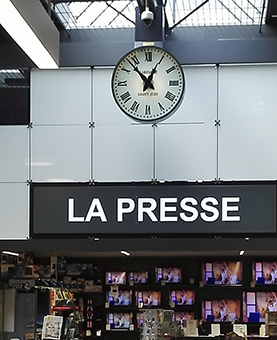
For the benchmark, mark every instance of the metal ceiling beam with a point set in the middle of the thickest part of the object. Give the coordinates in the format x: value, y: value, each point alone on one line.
x: 103, y: 11
x: 120, y: 13
x: 224, y: 6
x: 83, y: 11
x: 170, y: 29
x: 243, y: 11
x: 69, y: 1
x: 260, y: 29
x: 256, y: 9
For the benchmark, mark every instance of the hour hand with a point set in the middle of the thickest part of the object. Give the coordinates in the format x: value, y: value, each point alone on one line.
x: 147, y: 84
x: 150, y: 78
x: 135, y: 68
x: 143, y: 77
x: 146, y: 81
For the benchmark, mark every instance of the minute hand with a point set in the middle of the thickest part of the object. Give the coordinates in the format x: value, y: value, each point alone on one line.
x: 154, y: 70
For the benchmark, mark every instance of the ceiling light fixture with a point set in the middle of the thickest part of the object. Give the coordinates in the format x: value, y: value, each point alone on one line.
x: 241, y: 252
x: 7, y: 252
x: 9, y: 71
x: 16, y: 25
x: 124, y: 252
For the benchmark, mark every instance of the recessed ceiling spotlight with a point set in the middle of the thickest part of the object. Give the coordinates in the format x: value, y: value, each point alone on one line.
x: 125, y: 252
x: 92, y: 238
x: 247, y: 238
x: 241, y: 252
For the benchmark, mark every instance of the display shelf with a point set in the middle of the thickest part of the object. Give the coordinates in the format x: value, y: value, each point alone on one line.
x: 191, y: 280
x: 271, y: 323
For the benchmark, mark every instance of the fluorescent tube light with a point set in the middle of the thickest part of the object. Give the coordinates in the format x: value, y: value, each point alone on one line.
x: 7, y: 252
x: 124, y: 252
x: 16, y: 26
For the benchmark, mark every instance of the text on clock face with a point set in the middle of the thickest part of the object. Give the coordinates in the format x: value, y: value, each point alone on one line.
x: 150, y: 94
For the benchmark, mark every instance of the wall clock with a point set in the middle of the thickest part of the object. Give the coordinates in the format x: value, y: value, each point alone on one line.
x: 148, y: 84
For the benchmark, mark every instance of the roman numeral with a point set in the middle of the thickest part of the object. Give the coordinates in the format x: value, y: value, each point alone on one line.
x: 148, y: 56
x: 134, y: 107
x: 122, y: 83
x: 126, y: 96
x: 170, y: 96
x: 135, y: 59
x: 173, y: 82
x: 126, y: 70
x: 160, y: 106
x: 172, y: 68
x: 147, y: 109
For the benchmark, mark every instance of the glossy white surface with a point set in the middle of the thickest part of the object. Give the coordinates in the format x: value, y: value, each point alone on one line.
x: 186, y: 152
x: 14, y: 210
x: 199, y: 103
x: 187, y: 142
x: 123, y: 153
x: 60, y: 153
x: 247, y: 135
x: 61, y: 96
x: 14, y: 153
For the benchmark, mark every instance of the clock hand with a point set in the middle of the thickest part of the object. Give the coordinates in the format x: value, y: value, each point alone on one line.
x: 142, y: 76
x: 150, y: 77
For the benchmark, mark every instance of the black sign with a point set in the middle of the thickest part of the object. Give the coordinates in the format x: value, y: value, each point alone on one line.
x: 149, y: 209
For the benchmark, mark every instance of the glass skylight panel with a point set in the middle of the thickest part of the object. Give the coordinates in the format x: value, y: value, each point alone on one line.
x: 121, y: 13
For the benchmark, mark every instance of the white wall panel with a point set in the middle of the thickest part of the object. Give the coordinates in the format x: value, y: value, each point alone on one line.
x: 187, y: 141
x: 186, y: 152
x: 200, y: 95
x: 14, y: 210
x: 14, y: 153
x: 60, y: 153
x: 123, y: 153
x: 247, y: 135
x: 61, y: 96
x: 105, y: 111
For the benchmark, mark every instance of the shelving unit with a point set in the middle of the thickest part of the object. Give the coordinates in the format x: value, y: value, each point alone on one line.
x: 271, y: 323
x: 90, y: 289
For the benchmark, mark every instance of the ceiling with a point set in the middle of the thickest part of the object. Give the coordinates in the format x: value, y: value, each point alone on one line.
x: 144, y: 247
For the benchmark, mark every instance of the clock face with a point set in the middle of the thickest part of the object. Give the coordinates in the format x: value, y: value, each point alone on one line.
x: 148, y: 84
